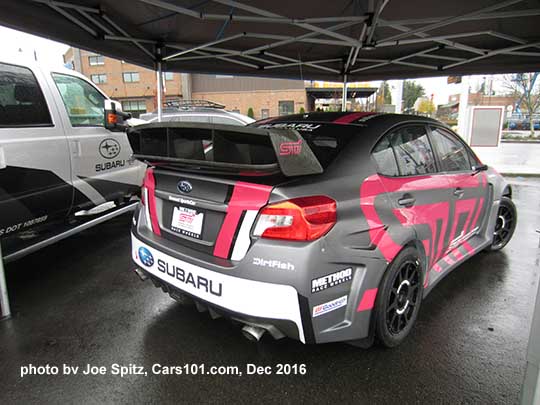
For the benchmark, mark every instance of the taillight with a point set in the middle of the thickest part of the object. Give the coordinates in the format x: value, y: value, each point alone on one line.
x: 148, y: 199
x: 304, y: 218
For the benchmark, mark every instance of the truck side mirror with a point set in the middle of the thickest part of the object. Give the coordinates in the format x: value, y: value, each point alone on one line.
x: 114, y: 116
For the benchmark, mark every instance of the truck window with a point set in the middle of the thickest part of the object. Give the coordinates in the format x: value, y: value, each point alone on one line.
x: 22, y: 103
x: 84, y: 104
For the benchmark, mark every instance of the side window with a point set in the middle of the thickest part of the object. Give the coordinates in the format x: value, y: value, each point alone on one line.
x: 452, y: 153
x: 21, y: 101
x: 84, y: 104
x: 384, y: 158
x: 413, y: 151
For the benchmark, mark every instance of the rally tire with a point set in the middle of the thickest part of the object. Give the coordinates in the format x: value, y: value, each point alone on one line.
x: 505, y: 224
x: 399, y: 298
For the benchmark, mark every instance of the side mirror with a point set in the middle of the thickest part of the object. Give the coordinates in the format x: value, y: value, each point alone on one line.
x: 479, y: 168
x: 114, y: 116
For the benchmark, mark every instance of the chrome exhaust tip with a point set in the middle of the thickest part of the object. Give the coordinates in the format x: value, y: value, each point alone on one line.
x: 142, y: 275
x: 253, y: 333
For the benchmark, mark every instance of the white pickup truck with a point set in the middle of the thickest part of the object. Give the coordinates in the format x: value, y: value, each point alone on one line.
x: 57, y: 159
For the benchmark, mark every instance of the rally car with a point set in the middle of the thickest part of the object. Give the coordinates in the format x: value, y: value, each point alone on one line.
x: 321, y: 227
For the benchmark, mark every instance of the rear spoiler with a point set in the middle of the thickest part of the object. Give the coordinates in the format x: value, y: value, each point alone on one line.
x: 177, y: 143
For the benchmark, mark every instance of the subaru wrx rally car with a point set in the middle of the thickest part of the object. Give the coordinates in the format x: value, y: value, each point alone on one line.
x: 320, y: 227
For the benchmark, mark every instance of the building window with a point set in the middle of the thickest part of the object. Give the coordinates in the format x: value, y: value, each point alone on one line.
x: 265, y: 113
x: 131, y: 77
x: 96, y: 60
x: 286, y: 107
x: 99, y: 78
x: 135, y: 107
x: 169, y: 75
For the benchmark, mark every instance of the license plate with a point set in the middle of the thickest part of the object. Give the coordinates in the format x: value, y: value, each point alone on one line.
x: 187, y: 221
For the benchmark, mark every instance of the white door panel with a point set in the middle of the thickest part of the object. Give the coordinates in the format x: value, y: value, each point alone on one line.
x: 101, y: 160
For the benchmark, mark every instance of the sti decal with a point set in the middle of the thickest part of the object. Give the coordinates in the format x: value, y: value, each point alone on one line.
x: 290, y: 148
x: 435, y: 216
x: 329, y: 306
x: 331, y: 280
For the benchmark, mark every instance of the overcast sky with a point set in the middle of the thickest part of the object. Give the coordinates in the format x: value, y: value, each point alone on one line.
x: 50, y: 53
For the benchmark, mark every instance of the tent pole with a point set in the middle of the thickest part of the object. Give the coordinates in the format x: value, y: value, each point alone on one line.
x: 530, y: 390
x: 159, y: 90
x: 5, y: 311
x: 344, y: 99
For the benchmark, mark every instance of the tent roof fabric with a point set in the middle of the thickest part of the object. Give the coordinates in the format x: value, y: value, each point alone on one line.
x: 312, y: 40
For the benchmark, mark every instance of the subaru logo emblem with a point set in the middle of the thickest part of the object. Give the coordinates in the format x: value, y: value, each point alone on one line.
x: 109, y: 148
x: 146, y: 257
x: 185, y: 186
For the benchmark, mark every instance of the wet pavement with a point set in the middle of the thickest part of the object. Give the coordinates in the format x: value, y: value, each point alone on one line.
x: 79, y: 303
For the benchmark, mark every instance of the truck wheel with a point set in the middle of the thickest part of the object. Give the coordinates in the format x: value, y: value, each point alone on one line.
x: 505, y: 225
x: 399, y: 298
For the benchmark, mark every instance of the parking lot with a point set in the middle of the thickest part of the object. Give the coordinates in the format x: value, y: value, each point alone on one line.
x: 79, y: 303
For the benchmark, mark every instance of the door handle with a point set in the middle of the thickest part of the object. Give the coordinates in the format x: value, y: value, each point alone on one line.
x: 407, y: 200
x: 76, y: 151
x: 3, y: 163
x: 458, y: 192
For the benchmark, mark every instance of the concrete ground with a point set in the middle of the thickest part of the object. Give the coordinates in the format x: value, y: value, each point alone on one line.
x: 79, y: 303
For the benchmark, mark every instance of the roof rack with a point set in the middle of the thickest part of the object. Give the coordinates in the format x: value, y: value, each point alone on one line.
x: 181, y: 104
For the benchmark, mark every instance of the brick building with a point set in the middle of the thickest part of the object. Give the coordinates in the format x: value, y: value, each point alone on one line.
x: 136, y: 87
x: 132, y: 85
x: 267, y: 97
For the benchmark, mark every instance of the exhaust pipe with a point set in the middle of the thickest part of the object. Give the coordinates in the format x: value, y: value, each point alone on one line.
x: 142, y: 275
x: 253, y: 333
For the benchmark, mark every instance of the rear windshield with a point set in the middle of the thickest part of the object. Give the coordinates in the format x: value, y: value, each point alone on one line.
x: 325, y: 140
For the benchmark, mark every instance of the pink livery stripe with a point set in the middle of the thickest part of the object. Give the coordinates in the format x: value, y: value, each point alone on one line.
x: 368, y: 300
x: 347, y: 119
x: 245, y: 196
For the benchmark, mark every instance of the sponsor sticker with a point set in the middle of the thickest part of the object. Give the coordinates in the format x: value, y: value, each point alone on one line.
x: 329, y: 306
x: 273, y: 264
x: 331, y: 280
x: 292, y: 125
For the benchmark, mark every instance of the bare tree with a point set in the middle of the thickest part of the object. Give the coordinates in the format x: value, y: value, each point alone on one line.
x: 526, y: 91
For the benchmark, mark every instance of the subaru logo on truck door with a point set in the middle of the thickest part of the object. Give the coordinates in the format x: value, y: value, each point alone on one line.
x: 185, y: 186
x: 109, y: 148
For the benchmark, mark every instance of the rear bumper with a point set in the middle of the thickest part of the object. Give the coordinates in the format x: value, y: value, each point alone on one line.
x: 246, y: 300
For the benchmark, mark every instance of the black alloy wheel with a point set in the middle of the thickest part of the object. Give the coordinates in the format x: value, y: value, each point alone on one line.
x: 404, y: 297
x: 399, y: 298
x: 505, y: 224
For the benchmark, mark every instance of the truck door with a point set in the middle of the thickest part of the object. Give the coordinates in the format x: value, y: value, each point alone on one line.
x: 103, y: 169
x: 35, y: 172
